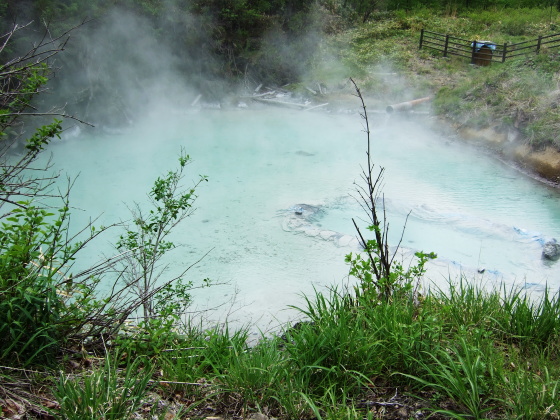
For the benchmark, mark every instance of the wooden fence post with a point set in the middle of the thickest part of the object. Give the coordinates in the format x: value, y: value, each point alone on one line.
x: 473, y: 51
x: 421, y: 38
x: 504, y: 52
x: 539, y: 44
x: 446, y: 44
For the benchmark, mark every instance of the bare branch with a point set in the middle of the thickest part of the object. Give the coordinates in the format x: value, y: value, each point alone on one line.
x: 47, y: 114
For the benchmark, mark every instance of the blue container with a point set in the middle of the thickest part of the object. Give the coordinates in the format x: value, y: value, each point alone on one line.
x: 482, y: 52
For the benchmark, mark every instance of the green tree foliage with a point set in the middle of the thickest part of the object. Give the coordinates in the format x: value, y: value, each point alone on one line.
x: 146, y: 242
x: 34, y: 246
x: 30, y: 307
x: 44, y: 305
x: 22, y: 78
x: 212, y: 43
x: 364, y: 8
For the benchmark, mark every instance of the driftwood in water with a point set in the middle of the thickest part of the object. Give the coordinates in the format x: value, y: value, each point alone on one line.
x: 316, y: 106
x: 405, y: 106
x: 261, y: 94
x: 311, y: 90
x: 280, y: 103
x: 196, y: 100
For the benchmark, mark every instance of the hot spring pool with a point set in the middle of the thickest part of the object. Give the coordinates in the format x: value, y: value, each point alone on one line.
x: 470, y: 209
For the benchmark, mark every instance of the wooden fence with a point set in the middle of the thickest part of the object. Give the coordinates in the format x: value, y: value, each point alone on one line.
x: 485, y: 52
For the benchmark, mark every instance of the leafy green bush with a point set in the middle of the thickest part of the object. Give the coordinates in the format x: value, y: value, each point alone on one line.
x: 33, y: 287
x: 145, y: 243
x: 44, y: 307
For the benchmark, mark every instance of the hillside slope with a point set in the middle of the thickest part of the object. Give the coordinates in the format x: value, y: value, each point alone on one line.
x: 510, y: 108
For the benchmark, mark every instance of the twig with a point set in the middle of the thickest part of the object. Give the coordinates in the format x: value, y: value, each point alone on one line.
x: 180, y: 383
x: 316, y: 106
x: 23, y: 370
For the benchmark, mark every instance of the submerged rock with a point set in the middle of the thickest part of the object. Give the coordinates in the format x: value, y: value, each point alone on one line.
x: 551, y: 250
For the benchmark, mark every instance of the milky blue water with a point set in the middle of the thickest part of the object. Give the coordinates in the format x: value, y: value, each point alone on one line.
x: 473, y: 211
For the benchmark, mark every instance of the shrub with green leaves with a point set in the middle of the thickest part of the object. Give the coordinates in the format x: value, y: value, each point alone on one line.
x: 43, y: 305
x: 32, y: 311
x: 146, y: 242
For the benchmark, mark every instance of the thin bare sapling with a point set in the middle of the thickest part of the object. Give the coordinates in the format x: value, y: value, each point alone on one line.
x: 381, y: 275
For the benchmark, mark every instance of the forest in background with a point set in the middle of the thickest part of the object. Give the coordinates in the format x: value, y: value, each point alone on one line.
x: 126, y: 52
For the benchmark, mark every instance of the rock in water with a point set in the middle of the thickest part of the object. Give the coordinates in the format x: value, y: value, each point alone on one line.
x: 551, y: 250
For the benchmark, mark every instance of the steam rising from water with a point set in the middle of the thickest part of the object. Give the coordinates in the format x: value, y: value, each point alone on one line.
x: 121, y: 65
x: 263, y: 165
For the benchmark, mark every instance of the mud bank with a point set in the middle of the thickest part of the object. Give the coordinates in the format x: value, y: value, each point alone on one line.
x: 509, y: 146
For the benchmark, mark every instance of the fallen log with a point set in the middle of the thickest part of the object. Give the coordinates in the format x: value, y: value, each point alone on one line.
x: 196, y: 100
x: 270, y: 93
x: 316, y: 106
x: 405, y: 106
x: 280, y: 103
x: 311, y: 90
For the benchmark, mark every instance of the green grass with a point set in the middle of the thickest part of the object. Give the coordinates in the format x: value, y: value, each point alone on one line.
x: 104, y: 393
x: 473, y: 96
x: 460, y: 352
x: 479, y: 354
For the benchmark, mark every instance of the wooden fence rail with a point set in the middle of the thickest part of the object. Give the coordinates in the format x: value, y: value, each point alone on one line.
x: 485, y: 52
